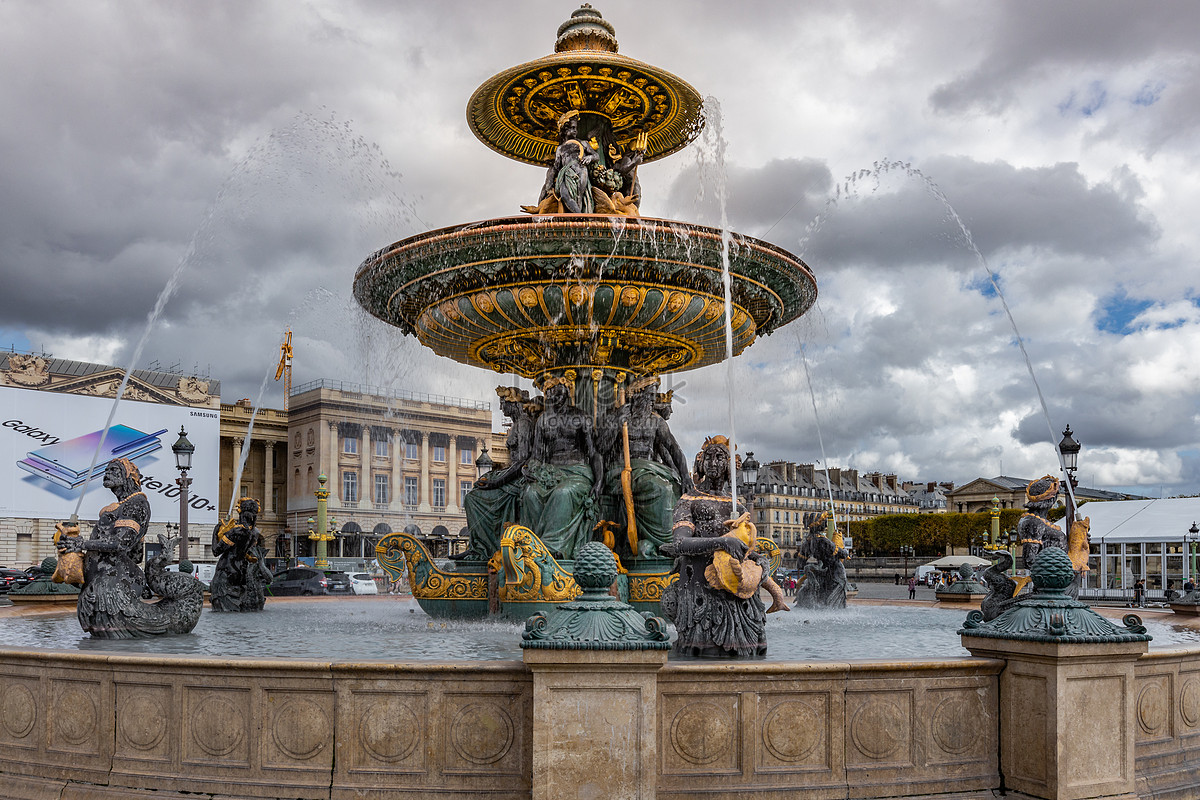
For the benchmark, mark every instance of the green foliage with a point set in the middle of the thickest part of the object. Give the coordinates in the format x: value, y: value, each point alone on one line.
x: 927, y: 534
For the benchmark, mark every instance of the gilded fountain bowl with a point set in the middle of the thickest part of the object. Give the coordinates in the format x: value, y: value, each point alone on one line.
x: 533, y: 293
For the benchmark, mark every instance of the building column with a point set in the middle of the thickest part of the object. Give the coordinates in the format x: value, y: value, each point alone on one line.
x: 268, y: 476
x: 452, y: 478
x: 424, y: 505
x: 366, y: 453
x: 235, y: 491
x: 329, y: 455
x: 397, y: 482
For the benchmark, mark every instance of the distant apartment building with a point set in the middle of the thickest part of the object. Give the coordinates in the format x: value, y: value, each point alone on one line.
x: 787, y: 495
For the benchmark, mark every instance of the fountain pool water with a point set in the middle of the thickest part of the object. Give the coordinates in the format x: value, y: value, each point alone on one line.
x: 392, y: 629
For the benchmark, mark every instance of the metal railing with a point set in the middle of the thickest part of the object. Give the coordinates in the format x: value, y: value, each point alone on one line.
x: 394, y: 394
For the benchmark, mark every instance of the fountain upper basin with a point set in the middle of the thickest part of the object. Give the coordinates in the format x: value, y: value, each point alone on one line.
x: 531, y: 293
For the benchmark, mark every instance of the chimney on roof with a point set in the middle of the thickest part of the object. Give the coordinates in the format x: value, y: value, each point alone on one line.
x: 806, y: 470
x: 891, y: 482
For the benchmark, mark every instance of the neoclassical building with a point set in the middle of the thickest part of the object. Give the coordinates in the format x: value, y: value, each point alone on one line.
x: 264, y: 475
x: 393, y: 461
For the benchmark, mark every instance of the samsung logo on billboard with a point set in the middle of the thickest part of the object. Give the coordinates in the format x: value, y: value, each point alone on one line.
x: 208, y: 414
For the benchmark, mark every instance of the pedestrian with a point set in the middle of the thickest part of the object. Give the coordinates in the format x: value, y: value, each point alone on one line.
x: 1139, y: 594
x: 1189, y: 587
x: 1170, y: 591
x: 912, y: 587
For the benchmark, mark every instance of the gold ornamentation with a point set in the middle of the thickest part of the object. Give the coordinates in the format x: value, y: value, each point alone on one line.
x: 398, y: 550
x: 1046, y: 495
x: 528, y: 297
x: 531, y: 573
x: 648, y: 587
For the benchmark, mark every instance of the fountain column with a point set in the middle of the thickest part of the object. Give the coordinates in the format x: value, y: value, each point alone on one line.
x: 319, y: 534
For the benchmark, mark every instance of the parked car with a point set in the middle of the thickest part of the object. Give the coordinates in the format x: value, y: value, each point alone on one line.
x: 12, y: 579
x: 362, y: 583
x: 339, y: 582
x: 299, y: 580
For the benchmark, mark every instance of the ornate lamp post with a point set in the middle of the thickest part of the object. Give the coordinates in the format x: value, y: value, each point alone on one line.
x: 906, y: 550
x: 183, y: 450
x: 749, y: 476
x: 483, y: 464
x: 994, y: 514
x: 1192, y: 539
x: 1070, y: 456
x: 321, y: 535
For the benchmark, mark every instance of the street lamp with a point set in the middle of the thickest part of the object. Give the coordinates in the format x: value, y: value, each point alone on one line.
x: 483, y: 464
x: 183, y: 450
x: 1069, y: 448
x: 906, y: 550
x: 749, y: 478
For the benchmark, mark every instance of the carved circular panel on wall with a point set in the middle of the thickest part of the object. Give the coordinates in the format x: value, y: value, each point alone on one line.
x: 301, y: 729
x: 1189, y: 702
x: 482, y: 733
x: 142, y: 721
x: 76, y: 718
x: 18, y: 710
x: 877, y: 729
x: 791, y: 731
x: 389, y: 730
x: 1151, y: 708
x: 218, y: 731
x: 955, y: 724
x: 701, y: 733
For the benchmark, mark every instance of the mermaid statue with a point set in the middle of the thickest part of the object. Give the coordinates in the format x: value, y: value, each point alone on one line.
x: 111, y: 604
x: 715, y: 603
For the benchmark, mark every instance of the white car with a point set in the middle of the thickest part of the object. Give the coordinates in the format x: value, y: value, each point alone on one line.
x: 362, y: 583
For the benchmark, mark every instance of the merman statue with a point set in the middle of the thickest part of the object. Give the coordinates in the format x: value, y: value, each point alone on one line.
x: 715, y: 603
x: 241, y: 577
x: 110, y: 602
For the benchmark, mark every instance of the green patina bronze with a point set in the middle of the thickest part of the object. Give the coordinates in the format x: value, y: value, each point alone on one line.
x: 596, y: 620
x: 1050, y: 615
x: 43, y: 589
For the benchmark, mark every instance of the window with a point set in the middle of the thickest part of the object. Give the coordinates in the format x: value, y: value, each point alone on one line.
x: 466, y: 456
x: 274, y: 459
x: 382, y: 482
x: 463, y: 488
x: 777, y: 516
x: 350, y: 445
x: 439, y: 492
x: 381, y: 448
x: 439, y: 453
x: 410, y: 491
x: 245, y: 490
x: 275, y: 498
x: 350, y: 485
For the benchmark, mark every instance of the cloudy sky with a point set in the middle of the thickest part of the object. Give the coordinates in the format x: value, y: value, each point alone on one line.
x: 258, y: 151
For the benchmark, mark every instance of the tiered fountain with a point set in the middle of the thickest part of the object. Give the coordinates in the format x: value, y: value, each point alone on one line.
x: 582, y: 292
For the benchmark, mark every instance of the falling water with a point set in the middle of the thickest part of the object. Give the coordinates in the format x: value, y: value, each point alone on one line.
x: 820, y: 440
x: 237, y: 475
x: 847, y: 189
x: 713, y: 131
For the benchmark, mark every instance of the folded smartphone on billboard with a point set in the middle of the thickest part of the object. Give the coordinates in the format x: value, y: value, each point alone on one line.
x: 66, y: 463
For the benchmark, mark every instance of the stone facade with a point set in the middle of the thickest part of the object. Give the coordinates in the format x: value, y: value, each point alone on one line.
x: 264, y: 476
x: 393, y: 459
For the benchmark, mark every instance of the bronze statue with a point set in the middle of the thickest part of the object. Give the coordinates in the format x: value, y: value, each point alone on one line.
x: 241, y: 577
x: 496, y: 497
x: 559, y: 502
x: 1037, y: 532
x: 645, y: 467
x: 568, y: 186
x: 824, y: 582
x: 110, y: 602
x: 715, y: 602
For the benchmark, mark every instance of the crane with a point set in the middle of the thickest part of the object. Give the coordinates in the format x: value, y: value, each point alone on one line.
x: 285, y: 367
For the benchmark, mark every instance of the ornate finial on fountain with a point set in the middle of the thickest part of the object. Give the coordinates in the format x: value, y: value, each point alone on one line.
x: 586, y: 30
x: 596, y: 620
x: 1051, y: 615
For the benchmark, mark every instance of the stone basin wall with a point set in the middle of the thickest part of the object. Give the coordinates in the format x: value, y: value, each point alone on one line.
x: 76, y: 725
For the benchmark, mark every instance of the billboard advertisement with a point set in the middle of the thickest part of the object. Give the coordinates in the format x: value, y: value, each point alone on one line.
x: 48, y: 442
